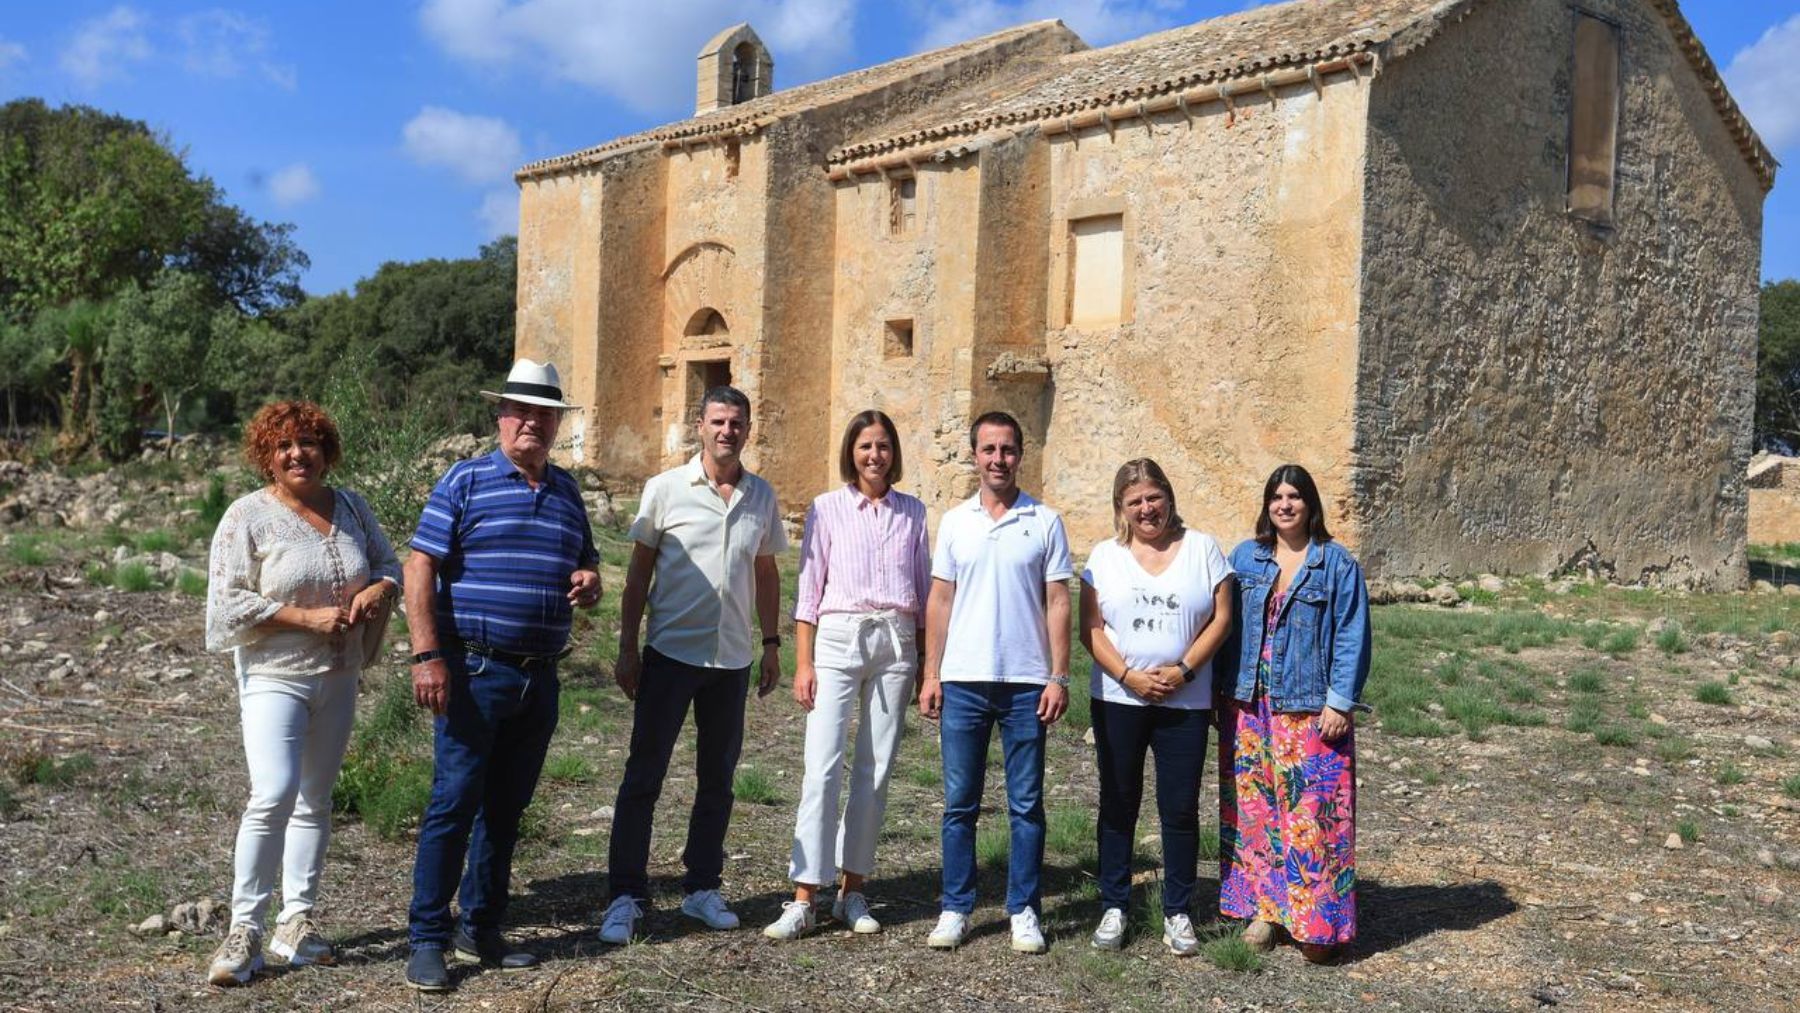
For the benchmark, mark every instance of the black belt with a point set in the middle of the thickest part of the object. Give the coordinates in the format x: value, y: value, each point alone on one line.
x: 514, y: 659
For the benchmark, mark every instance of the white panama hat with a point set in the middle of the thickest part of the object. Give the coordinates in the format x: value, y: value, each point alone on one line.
x: 532, y: 383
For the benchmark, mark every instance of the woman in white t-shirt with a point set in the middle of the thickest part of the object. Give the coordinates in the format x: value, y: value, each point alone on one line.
x: 1156, y: 603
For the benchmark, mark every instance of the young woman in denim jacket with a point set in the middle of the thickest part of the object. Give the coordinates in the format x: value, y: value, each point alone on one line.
x: 1288, y: 812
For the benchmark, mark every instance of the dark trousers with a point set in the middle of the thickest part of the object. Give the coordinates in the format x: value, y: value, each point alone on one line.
x: 1178, y: 737
x: 665, y: 691
x: 488, y: 750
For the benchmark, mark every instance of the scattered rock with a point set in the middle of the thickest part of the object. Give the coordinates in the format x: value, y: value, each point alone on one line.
x: 177, y: 674
x: 1088, y: 737
x: 605, y: 812
x: 1490, y: 583
x: 1765, y: 858
x: 1761, y: 587
x: 1635, y: 897
x: 1658, y: 719
x: 1444, y: 595
x: 186, y: 917
x: 1790, y: 590
x: 600, y: 509
x: 102, y: 617
x: 155, y: 925
x: 1673, y: 842
x: 1758, y: 742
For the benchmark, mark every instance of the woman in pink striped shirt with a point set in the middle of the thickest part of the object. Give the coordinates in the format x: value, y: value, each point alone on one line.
x: 859, y: 621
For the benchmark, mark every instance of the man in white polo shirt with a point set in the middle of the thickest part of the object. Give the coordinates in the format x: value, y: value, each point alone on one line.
x: 997, y: 653
x: 707, y: 532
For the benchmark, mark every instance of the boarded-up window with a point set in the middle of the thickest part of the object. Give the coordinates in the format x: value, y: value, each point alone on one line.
x: 1593, y: 120
x: 903, y: 201
x: 1096, y: 270
x: 897, y: 339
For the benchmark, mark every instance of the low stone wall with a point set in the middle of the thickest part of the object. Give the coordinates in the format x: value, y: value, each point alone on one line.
x: 1774, y: 516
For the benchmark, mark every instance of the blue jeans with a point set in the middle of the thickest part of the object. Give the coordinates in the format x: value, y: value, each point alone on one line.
x: 488, y: 749
x: 1178, y: 737
x: 971, y: 709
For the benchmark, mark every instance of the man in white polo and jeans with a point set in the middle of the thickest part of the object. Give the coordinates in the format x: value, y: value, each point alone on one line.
x: 997, y: 653
x: 707, y: 534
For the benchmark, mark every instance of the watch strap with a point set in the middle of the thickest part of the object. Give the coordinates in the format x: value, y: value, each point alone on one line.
x: 423, y: 656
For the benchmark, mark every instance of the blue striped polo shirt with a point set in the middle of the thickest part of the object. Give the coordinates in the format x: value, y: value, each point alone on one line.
x: 505, y: 553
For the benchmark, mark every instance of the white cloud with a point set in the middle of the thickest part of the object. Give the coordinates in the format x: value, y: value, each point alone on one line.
x: 640, y: 53
x: 104, y: 47
x: 10, y: 53
x: 1765, y: 78
x: 221, y: 43
x: 294, y: 184
x: 480, y: 149
x: 1098, y: 22
x: 499, y: 213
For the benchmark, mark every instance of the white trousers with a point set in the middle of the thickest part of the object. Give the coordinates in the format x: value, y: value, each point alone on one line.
x: 295, y: 732
x: 865, y: 664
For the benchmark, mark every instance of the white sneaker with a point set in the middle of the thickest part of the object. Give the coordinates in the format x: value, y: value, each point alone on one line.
x: 1027, y: 936
x: 709, y: 907
x: 299, y: 940
x: 1178, y: 936
x: 797, y: 919
x: 1111, y: 933
x: 238, y: 958
x: 853, y: 910
x: 619, y: 923
x: 948, y: 935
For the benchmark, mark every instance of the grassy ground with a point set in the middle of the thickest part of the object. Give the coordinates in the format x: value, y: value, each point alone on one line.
x: 1527, y: 766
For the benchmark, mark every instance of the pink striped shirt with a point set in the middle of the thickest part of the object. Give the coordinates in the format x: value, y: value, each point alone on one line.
x: 858, y: 555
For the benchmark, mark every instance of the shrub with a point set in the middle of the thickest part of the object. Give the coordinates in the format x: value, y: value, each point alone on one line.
x: 1070, y: 832
x: 1231, y: 953
x: 1671, y: 640
x: 1714, y: 693
x: 753, y: 786
x: 1729, y: 773
x: 1584, y: 715
x: 386, y: 779
x: 191, y: 583
x: 568, y: 767
x: 156, y: 541
x: 39, y: 768
x: 27, y: 550
x: 1689, y: 830
x: 1615, y: 735
x: 1587, y: 680
x: 1790, y: 786
x: 992, y: 845
x: 98, y: 574
x: 386, y: 448
x: 1621, y: 641
x: 1674, y: 750
x: 134, y: 577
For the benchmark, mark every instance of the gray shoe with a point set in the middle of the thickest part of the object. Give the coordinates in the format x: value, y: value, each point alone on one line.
x: 238, y: 958
x: 1111, y: 933
x: 299, y: 941
x: 1178, y: 936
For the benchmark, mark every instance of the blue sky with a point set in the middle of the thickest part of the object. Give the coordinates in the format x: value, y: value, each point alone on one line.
x: 388, y: 131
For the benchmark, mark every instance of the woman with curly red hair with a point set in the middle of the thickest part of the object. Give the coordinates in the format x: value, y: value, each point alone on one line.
x: 300, y: 573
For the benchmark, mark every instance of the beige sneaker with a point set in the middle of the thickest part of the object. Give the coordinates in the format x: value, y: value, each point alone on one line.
x: 238, y: 958
x: 299, y: 941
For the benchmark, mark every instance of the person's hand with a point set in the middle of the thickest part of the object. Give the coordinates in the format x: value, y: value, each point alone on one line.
x: 584, y: 589
x: 627, y: 670
x: 325, y: 620
x: 1147, y: 683
x: 368, y: 602
x: 806, y: 686
x: 1334, y: 724
x: 1052, y: 703
x: 431, y: 685
x: 770, y: 671
x: 931, y: 697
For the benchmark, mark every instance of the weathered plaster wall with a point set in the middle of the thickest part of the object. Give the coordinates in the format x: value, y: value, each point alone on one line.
x: 1774, y: 516
x: 628, y: 306
x: 1532, y: 394
x: 1242, y: 243
x: 927, y: 276
x: 554, y: 214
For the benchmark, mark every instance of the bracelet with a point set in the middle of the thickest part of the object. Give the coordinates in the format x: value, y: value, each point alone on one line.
x: 1060, y: 680
x: 772, y: 641
x: 423, y: 656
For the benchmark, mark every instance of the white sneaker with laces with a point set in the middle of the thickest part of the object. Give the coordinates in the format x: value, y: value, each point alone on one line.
x: 797, y: 919
x: 852, y: 909
x: 1178, y: 936
x: 619, y: 923
x: 948, y: 934
x: 709, y: 907
x: 299, y: 941
x: 1111, y: 933
x: 238, y: 958
x: 1027, y: 937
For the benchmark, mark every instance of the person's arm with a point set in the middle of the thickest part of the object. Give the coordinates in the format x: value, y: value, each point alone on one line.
x: 1055, y: 698
x: 431, y: 679
x: 1106, y: 654
x: 806, y: 680
x: 1213, y: 635
x: 384, y: 568
x: 937, y: 629
x: 815, y: 547
x: 1350, y: 652
x: 584, y: 581
x: 768, y: 617
x: 629, y: 665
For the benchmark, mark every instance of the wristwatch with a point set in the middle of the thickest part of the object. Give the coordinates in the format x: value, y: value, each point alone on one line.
x: 423, y: 656
x: 772, y: 641
x: 1060, y: 680
x: 1188, y: 674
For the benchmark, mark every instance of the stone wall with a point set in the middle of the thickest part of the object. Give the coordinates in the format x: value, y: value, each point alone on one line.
x: 1534, y: 393
x: 1242, y: 240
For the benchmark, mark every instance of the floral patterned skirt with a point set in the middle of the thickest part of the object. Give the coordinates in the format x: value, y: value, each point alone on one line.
x: 1287, y: 823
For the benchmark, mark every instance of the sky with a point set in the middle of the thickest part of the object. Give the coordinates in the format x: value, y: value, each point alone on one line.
x: 389, y: 131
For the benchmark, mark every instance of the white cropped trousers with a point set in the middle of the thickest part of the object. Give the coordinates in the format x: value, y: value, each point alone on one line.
x: 295, y: 732
x: 865, y: 664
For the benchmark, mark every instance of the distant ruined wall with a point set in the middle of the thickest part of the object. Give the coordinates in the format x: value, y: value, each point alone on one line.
x: 1532, y: 394
x: 1241, y: 241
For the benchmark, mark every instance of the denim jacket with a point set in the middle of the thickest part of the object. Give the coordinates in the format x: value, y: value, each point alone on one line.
x: 1321, y: 655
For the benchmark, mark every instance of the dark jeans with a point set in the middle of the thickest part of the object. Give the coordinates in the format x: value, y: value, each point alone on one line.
x: 971, y: 710
x: 665, y: 690
x: 1121, y: 734
x: 488, y: 749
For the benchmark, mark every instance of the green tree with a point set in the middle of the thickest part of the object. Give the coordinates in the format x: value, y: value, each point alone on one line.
x: 77, y: 330
x: 163, y: 338
x: 30, y: 368
x: 1778, y: 366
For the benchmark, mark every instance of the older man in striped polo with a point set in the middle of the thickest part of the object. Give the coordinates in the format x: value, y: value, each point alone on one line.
x: 502, y: 554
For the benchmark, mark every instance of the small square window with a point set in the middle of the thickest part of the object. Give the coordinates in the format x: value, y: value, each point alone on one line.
x: 903, y: 195
x: 898, y: 339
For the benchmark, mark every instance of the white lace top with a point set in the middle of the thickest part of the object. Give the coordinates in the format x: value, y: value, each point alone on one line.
x: 264, y: 556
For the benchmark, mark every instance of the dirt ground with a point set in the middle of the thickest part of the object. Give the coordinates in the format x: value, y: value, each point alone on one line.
x: 1610, y: 836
